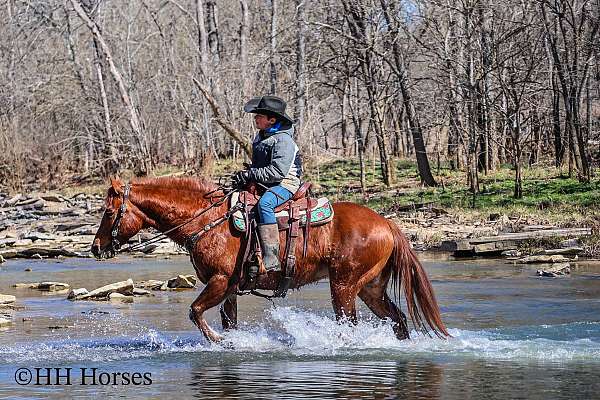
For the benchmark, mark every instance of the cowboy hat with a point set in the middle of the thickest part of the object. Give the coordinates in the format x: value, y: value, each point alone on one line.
x: 268, y: 105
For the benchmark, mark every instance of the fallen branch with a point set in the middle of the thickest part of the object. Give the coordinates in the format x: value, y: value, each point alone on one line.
x: 223, y: 122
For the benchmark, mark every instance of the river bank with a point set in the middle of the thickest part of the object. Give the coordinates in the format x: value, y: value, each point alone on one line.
x: 48, y: 225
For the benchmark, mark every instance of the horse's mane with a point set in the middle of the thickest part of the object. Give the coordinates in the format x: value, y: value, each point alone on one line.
x: 186, y: 183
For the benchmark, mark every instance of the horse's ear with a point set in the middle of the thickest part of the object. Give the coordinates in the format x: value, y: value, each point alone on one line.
x: 116, y: 185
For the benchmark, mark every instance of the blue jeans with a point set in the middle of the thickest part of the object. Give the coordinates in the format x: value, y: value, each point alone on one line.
x: 268, y: 202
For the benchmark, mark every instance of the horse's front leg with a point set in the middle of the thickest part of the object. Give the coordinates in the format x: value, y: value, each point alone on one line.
x: 229, y: 312
x: 214, y: 292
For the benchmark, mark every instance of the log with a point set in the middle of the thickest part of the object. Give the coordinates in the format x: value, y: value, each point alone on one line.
x: 507, y: 241
x: 534, y: 235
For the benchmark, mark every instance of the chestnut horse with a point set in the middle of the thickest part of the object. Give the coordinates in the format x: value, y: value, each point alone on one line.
x: 359, y: 251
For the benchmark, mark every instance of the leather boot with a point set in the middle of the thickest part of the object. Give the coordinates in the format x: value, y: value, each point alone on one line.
x: 269, y: 245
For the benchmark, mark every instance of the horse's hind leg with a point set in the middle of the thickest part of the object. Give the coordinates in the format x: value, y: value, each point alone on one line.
x: 229, y: 312
x: 375, y: 297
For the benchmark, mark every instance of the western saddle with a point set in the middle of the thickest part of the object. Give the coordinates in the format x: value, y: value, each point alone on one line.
x: 292, y: 215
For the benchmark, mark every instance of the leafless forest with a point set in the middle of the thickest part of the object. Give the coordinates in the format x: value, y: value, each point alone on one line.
x: 92, y: 87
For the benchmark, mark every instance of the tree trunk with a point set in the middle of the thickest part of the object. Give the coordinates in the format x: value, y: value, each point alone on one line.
x: 106, y: 115
x: 202, y: 39
x: 214, y: 40
x: 245, y: 86
x: 411, y: 116
x: 300, y: 68
x: 273, y: 48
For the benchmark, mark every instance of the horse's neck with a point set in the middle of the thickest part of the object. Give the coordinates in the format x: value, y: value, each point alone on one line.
x: 166, y: 214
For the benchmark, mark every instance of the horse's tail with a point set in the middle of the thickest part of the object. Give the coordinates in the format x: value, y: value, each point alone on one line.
x: 420, y: 299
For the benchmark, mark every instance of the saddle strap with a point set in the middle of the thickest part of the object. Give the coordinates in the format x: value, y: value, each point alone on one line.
x: 247, y: 238
x: 307, y: 226
x: 289, y: 269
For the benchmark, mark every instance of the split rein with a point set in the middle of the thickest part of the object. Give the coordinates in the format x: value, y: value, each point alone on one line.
x: 116, y: 246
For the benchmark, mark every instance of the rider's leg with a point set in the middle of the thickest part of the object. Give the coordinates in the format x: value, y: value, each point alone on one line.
x: 267, y: 228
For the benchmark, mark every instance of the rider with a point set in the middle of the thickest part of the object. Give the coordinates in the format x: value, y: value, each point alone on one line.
x: 276, y: 164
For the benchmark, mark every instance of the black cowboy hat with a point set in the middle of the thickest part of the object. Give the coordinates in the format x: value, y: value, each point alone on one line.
x: 268, y: 105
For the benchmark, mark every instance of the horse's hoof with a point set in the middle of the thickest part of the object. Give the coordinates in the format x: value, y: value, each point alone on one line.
x: 215, y: 338
x: 401, y: 332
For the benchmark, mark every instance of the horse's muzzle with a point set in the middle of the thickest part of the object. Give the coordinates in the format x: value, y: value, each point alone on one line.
x: 100, y: 253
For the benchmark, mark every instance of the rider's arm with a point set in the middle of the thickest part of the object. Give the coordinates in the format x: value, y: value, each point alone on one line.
x: 283, y: 155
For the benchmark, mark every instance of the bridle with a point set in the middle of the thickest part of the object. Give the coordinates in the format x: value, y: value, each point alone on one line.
x: 114, y: 231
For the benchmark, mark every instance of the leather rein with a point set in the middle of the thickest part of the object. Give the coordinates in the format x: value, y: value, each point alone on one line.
x: 115, y: 246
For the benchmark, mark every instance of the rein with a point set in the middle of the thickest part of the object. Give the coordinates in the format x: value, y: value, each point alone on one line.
x: 115, y: 245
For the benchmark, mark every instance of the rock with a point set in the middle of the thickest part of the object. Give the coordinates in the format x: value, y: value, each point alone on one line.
x: 69, y: 226
x: 27, y: 202
x: 52, y: 286
x: 141, y: 292
x: 39, y: 236
x: 7, y: 242
x: 569, y: 243
x: 85, y: 230
x: 24, y: 285
x: 45, y: 286
x: 56, y: 198
x: 29, y: 205
x: 124, y: 287
x: 27, y: 270
x: 543, y: 259
x: 564, y: 251
x: 14, y: 200
x: 2, y: 260
x: 7, y: 299
x: 4, y: 322
x: 149, y: 284
x: 37, y: 256
x: 511, y: 253
x: 556, y: 270
x: 23, y: 242
x: 74, y: 293
x: 120, y: 297
x: 164, y: 287
x: 37, y: 252
x: 182, y: 282
x: 494, y: 217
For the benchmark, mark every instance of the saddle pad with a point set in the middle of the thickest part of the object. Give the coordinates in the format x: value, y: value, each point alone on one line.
x: 320, y: 214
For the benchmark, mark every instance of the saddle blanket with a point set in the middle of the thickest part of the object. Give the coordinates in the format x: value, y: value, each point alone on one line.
x: 320, y: 214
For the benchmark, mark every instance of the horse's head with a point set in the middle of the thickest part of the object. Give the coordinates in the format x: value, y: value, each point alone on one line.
x: 121, y: 220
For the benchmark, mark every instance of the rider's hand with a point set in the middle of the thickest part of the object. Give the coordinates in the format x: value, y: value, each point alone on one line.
x: 240, y: 179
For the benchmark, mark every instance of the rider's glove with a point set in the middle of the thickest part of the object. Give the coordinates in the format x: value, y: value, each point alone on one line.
x: 241, y: 179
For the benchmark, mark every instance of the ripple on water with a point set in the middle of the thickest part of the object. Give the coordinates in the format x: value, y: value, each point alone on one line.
x: 298, y: 334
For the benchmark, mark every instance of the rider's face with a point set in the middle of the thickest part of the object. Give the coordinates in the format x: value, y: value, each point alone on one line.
x: 263, y: 122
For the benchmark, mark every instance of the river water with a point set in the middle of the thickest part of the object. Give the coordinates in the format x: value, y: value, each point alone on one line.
x: 514, y: 336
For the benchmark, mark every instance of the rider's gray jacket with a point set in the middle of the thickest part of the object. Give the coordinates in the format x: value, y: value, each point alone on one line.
x: 276, y: 159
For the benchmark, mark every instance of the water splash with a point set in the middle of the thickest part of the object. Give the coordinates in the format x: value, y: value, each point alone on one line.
x: 293, y: 333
